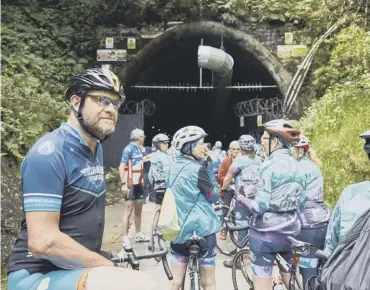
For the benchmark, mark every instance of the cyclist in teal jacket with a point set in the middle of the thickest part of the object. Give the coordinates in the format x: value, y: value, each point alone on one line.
x: 195, y: 189
x: 352, y: 203
x: 316, y: 215
x: 280, y: 193
x: 160, y: 165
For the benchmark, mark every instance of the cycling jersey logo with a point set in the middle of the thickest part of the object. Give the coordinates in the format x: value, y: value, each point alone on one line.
x: 46, y: 148
x: 94, y: 173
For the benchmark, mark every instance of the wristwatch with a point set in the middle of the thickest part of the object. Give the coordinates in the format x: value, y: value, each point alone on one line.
x: 123, y: 183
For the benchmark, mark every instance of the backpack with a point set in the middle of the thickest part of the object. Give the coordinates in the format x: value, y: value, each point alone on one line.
x: 348, y: 266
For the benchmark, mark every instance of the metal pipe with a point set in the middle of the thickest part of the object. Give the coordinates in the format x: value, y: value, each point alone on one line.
x: 201, y: 70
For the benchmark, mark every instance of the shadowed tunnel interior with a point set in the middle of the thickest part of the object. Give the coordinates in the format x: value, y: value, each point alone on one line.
x: 176, y: 64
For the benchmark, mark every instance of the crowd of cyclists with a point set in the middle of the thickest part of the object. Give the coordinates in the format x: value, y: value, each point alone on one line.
x: 277, y: 183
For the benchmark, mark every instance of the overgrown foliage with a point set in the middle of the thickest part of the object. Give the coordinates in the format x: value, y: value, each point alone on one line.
x: 37, y: 61
x: 334, y: 122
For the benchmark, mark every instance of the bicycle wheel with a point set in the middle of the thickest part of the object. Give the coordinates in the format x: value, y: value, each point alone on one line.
x: 195, y: 281
x: 241, y: 270
x: 225, y: 246
x: 311, y: 283
x: 153, y: 230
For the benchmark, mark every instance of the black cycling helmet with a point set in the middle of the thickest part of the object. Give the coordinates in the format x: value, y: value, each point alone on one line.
x: 366, y: 137
x: 93, y: 79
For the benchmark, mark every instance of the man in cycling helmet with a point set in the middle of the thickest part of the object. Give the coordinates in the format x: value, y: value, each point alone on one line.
x: 160, y: 164
x: 280, y: 193
x: 131, y: 172
x: 59, y: 244
x: 244, y: 170
x: 352, y: 203
x: 195, y: 190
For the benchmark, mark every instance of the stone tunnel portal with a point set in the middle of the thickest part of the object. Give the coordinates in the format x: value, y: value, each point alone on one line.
x: 171, y: 59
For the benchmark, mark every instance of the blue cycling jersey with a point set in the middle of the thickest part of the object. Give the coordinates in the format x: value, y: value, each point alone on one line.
x: 244, y: 170
x: 352, y: 203
x: 316, y: 212
x: 60, y: 174
x: 160, y: 165
x: 281, y: 192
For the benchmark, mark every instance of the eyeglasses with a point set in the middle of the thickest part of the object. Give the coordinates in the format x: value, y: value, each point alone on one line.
x: 104, y: 101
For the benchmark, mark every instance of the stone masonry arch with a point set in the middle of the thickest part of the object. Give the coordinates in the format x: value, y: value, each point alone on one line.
x: 244, y: 41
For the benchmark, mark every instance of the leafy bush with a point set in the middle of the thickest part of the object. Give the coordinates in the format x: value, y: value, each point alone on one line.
x: 37, y: 62
x: 334, y: 122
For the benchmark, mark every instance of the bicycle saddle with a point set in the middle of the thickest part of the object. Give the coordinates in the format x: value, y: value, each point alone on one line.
x: 298, y: 244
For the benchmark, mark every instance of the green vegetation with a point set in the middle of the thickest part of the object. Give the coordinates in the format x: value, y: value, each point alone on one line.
x: 334, y: 122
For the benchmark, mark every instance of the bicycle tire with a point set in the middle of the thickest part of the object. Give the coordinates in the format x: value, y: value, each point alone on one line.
x: 195, y: 281
x: 153, y: 226
x: 240, y: 256
x: 232, y: 249
x: 311, y: 283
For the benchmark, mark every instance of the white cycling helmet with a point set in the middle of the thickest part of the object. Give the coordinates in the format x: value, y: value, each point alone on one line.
x: 186, y: 135
x: 247, y: 142
x: 303, y: 142
x: 234, y: 144
x: 218, y: 145
x: 136, y: 134
x: 160, y: 138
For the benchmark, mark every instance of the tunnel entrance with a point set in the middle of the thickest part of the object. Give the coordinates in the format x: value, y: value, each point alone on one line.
x: 171, y: 59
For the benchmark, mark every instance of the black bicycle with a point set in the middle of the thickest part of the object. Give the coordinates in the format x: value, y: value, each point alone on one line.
x: 242, y: 261
x: 193, y: 264
x: 312, y: 283
x: 133, y: 259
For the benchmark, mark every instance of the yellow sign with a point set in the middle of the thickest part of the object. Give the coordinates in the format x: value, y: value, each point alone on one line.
x: 288, y: 37
x: 241, y: 120
x: 109, y: 42
x: 259, y: 120
x: 131, y: 43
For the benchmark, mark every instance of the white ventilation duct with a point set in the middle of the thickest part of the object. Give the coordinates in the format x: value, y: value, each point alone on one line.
x: 214, y: 59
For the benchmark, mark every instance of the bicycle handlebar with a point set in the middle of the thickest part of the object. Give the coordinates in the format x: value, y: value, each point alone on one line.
x: 133, y: 258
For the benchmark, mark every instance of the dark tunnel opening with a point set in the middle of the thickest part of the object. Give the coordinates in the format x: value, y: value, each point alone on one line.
x: 176, y: 64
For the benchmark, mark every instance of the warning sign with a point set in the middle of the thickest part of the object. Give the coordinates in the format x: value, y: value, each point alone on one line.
x: 241, y: 120
x: 131, y: 43
x: 109, y: 42
x: 259, y: 120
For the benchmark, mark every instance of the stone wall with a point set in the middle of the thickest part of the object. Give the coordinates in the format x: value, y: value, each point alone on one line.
x: 11, y: 209
x: 269, y: 35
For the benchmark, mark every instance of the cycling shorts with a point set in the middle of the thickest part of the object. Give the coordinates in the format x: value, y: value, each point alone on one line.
x: 54, y: 280
x: 208, y: 250
x: 136, y: 192
x: 159, y: 195
x: 264, y: 247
